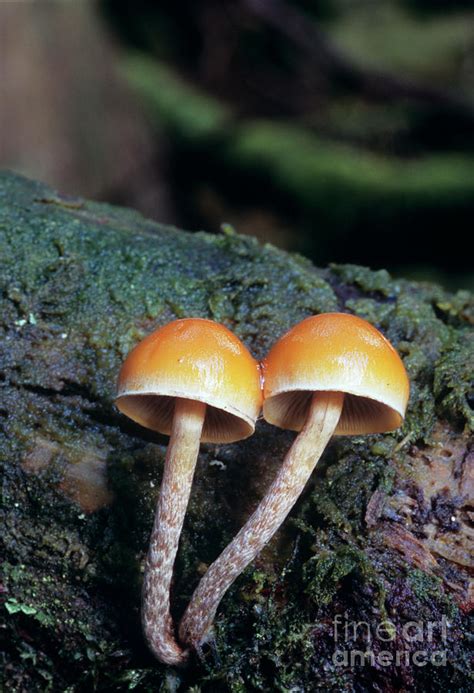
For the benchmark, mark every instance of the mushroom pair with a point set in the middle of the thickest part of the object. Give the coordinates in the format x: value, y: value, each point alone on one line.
x: 330, y: 374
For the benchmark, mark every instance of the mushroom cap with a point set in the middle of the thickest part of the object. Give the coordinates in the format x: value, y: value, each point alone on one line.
x: 194, y: 359
x: 336, y: 352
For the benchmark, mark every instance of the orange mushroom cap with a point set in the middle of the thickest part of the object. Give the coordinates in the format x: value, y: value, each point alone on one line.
x: 193, y: 359
x: 341, y: 353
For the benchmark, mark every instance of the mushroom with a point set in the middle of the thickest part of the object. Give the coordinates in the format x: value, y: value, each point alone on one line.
x: 194, y: 381
x: 331, y: 374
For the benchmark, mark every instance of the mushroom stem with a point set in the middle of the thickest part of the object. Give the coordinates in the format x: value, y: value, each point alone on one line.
x: 322, y: 419
x: 180, y: 463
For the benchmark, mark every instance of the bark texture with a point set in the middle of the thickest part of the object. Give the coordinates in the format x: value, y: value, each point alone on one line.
x: 381, y: 534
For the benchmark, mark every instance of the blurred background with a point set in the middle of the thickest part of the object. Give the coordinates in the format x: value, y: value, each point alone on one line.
x: 340, y: 129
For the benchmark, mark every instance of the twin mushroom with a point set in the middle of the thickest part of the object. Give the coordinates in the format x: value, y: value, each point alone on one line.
x: 332, y: 374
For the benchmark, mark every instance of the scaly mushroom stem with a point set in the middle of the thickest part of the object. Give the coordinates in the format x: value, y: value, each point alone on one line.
x: 178, y: 474
x: 322, y: 419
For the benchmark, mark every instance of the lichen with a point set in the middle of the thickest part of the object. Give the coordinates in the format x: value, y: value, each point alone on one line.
x: 81, y: 283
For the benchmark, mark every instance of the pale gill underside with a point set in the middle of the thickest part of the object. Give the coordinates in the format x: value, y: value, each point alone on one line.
x: 156, y: 413
x: 360, y: 415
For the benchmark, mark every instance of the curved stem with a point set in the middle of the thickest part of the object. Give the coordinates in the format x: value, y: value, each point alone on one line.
x: 178, y: 474
x: 322, y: 419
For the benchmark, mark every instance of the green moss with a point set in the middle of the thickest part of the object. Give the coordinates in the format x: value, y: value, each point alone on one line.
x: 428, y: 588
x: 323, y: 573
x: 81, y: 283
x: 335, y: 187
x: 189, y: 113
x: 432, y: 45
x: 366, y: 280
x: 342, y: 181
x: 453, y: 385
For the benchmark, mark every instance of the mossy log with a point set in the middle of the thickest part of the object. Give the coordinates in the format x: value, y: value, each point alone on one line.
x: 380, y: 535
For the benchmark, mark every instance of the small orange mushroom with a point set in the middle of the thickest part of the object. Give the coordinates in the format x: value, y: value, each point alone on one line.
x: 194, y: 381
x: 331, y: 374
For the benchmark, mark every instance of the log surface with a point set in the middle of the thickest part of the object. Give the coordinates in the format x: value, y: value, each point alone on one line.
x: 383, y: 532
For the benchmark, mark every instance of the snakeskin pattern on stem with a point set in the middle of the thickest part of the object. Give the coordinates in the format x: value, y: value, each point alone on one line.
x: 296, y: 469
x: 178, y: 474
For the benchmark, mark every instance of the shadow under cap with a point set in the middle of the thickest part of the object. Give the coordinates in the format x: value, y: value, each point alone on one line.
x: 360, y: 415
x: 155, y: 411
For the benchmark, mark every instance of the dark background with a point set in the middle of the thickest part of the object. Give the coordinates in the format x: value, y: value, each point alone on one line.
x: 342, y: 129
